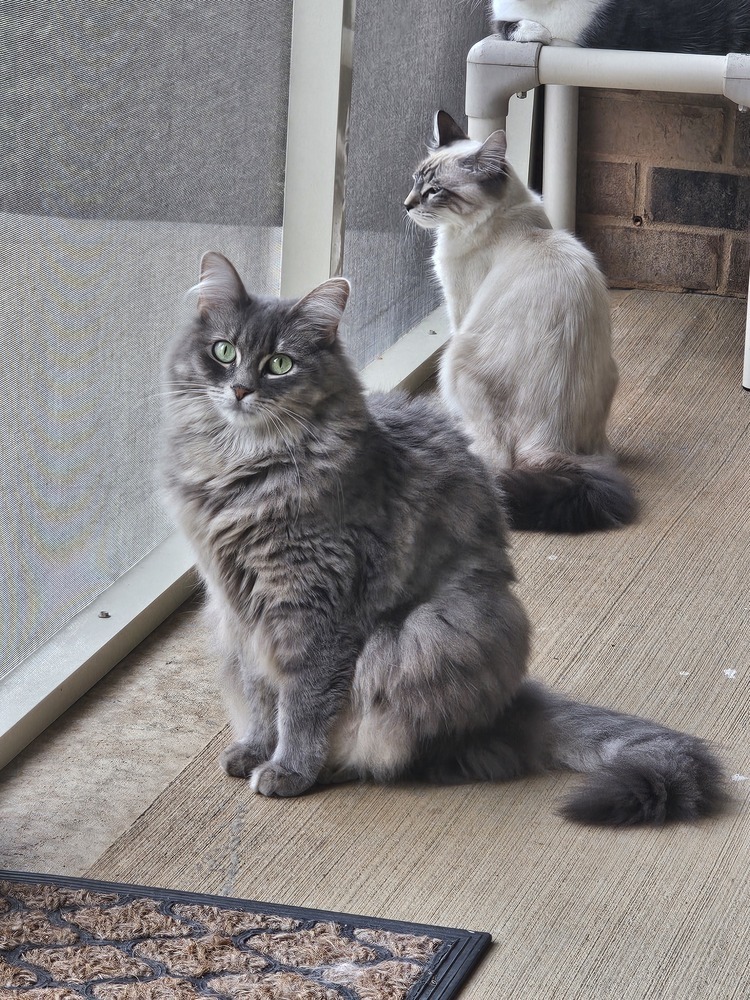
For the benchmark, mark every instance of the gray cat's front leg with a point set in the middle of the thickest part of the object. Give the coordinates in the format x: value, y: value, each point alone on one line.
x: 309, y: 700
x: 252, y: 707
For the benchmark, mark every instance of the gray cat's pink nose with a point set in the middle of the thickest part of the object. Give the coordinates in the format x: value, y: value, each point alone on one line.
x: 412, y: 200
x: 241, y: 391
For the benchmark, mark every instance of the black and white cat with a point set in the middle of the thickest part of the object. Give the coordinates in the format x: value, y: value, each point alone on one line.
x: 700, y: 26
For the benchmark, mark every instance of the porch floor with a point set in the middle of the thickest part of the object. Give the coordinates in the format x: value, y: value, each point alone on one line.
x: 651, y: 619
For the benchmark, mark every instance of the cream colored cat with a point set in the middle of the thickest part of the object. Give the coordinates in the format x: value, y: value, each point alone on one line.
x: 529, y: 368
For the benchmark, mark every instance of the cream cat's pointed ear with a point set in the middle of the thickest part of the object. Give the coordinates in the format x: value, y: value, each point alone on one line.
x: 322, y: 308
x: 219, y: 286
x: 447, y: 130
x: 490, y: 157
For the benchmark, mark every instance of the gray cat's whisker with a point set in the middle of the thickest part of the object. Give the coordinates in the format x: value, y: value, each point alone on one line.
x: 306, y: 425
x: 277, y: 422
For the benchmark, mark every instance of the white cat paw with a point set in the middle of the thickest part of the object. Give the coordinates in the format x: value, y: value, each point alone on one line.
x: 273, y: 779
x: 526, y: 31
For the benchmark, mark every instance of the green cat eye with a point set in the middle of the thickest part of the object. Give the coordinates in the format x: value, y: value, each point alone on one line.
x: 280, y: 364
x: 224, y: 351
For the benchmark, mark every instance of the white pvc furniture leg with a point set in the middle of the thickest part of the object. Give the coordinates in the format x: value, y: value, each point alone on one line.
x: 560, y: 157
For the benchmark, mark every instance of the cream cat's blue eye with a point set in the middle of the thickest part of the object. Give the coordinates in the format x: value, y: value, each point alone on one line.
x: 280, y: 364
x: 224, y: 351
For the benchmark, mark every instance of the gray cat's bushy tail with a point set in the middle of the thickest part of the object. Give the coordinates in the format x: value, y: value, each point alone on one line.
x: 639, y: 771
x: 567, y: 495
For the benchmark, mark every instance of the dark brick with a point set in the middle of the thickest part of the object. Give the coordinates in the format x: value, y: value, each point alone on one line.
x: 741, y: 149
x: 699, y: 198
x: 606, y: 188
x: 739, y: 266
x: 670, y: 260
x: 652, y: 128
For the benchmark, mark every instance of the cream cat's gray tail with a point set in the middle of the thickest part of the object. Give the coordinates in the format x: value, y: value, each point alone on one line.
x: 639, y: 772
x: 567, y: 495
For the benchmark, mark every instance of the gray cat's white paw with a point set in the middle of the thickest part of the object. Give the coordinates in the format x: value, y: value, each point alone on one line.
x: 273, y: 779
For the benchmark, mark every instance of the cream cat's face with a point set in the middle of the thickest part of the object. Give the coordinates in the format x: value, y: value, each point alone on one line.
x: 459, y: 179
x: 444, y: 187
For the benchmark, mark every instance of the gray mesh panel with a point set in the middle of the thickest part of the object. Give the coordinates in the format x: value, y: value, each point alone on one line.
x: 409, y: 60
x: 133, y: 136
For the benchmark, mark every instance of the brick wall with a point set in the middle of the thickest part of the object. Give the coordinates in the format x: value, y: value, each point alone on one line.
x: 664, y: 189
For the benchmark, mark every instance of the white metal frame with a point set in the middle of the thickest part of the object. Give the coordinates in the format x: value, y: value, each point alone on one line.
x: 320, y: 90
x: 48, y: 682
x: 41, y: 688
x: 497, y: 69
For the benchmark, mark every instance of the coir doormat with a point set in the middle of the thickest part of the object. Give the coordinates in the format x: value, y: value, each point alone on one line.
x: 62, y: 938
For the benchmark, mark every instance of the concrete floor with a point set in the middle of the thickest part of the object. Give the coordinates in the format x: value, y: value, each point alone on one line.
x: 85, y: 780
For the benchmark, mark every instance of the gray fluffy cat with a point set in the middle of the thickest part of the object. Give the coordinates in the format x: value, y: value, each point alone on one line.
x: 356, y: 562
x: 529, y: 369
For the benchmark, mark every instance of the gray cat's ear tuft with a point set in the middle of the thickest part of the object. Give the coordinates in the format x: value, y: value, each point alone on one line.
x: 219, y: 286
x: 490, y: 157
x: 323, y: 307
x: 447, y: 130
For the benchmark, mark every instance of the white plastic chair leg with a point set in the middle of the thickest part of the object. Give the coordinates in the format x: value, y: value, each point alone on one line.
x: 560, y: 157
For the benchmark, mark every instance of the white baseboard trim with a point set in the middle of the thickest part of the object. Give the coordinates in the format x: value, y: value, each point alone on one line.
x: 412, y: 359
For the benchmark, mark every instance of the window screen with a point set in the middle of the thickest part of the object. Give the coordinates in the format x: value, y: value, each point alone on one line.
x: 133, y: 136
x: 409, y: 60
